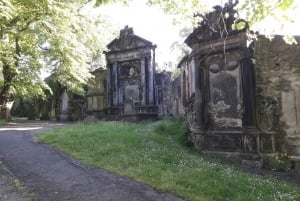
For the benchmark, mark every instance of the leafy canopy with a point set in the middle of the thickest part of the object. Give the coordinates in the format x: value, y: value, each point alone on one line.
x: 256, y: 12
x: 56, y: 36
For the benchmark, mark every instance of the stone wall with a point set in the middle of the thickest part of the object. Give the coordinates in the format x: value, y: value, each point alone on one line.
x: 178, y: 108
x: 278, y: 90
x: 96, y: 94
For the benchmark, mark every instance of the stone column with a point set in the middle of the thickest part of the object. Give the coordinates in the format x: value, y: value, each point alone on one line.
x: 198, y: 96
x: 297, y: 100
x: 108, y: 86
x: 143, y: 80
x: 151, y: 67
x: 192, y: 76
x: 115, y: 90
x: 119, y: 88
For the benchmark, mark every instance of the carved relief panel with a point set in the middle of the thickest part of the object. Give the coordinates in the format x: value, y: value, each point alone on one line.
x: 225, y: 102
x: 130, y: 69
x: 130, y: 80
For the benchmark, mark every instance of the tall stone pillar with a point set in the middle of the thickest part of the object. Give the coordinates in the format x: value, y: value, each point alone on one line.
x: 115, y: 90
x: 108, y: 86
x: 192, y: 78
x: 143, y: 80
x: 120, y: 91
x: 150, y: 80
x: 198, y: 96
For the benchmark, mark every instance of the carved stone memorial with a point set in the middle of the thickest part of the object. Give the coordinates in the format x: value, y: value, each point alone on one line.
x: 130, y: 78
x: 222, y: 114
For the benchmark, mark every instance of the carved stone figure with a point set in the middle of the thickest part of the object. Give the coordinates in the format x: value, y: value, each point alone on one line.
x: 271, y: 111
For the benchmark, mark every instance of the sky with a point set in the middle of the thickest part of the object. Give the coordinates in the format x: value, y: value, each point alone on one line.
x: 153, y: 24
x: 150, y: 23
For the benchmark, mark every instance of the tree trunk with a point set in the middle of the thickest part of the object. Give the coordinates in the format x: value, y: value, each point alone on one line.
x: 6, y: 98
x: 6, y: 111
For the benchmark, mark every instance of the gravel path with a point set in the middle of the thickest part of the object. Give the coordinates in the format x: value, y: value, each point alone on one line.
x: 51, y: 175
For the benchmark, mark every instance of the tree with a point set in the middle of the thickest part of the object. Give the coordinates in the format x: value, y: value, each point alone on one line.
x: 46, y: 34
x: 254, y: 11
x: 257, y: 11
x: 17, y: 45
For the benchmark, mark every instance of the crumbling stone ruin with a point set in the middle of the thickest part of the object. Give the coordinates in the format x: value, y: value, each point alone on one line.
x: 220, y: 88
x: 278, y: 91
x: 239, y: 98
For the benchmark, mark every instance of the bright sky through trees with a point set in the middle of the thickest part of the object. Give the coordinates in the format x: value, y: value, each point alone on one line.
x: 153, y: 24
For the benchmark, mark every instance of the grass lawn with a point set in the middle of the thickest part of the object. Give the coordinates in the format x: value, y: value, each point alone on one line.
x: 154, y: 153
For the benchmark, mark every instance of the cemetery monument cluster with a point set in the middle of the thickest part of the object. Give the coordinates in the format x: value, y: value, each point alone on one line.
x: 237, y: 96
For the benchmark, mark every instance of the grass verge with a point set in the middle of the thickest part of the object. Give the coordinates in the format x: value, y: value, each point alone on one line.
x: 2, y: 122
x: 154, y: 153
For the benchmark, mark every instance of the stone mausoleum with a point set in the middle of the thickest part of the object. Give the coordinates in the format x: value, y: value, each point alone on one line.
x: 240, y: 96
x: 130, y: 78
x: 218, y: 81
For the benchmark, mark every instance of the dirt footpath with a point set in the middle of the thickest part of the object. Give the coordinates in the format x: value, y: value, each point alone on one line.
x: 50, y: 175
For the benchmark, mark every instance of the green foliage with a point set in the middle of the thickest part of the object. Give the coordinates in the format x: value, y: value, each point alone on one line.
x: 279, y: 162
x: 101, y: 2
x: 181, y: 10
x: 254, y: 11
x: 2, y: 122
x: 60, y: 37
x: 153, y: 153
x: 257, y: 11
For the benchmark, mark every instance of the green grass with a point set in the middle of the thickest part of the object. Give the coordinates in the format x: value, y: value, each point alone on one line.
x: 2, y: 122
x: 154, y: 153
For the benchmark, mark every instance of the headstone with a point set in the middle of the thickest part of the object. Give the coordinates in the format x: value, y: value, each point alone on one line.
x: 64, y: 113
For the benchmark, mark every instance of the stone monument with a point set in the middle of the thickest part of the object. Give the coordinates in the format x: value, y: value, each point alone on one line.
x: 221, y: 100
x: 130, y: 92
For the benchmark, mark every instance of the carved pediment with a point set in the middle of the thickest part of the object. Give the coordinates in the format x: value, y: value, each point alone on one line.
x: 217, y: 24
x: 128, y: 40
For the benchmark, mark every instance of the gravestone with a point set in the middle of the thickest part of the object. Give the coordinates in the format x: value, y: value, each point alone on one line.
x: 64, y: 106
